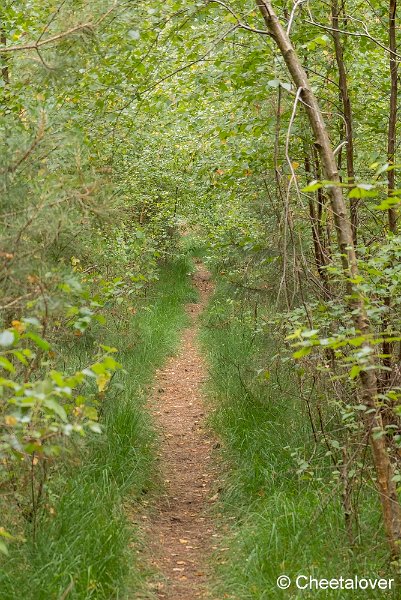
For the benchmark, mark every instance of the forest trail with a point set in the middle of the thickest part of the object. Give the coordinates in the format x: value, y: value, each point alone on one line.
x: 180, y: 532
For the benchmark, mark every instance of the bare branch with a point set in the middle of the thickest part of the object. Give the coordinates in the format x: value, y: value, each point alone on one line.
x: 337, y: 150
x: 15, y: 301
x: 364, y: 34
x: 294, y: 8
x: 49, y: 40
x: 241, y: 24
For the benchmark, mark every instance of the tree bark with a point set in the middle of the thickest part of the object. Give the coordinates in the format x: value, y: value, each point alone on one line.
x: 391, y: 139
x: 346, y: 102
x: 317, y: 234
x: 372, y: 420
x: 388, y: 347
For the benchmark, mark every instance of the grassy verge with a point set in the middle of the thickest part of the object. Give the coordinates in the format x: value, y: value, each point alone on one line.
x: 282, y: 522
x: 82, y: 547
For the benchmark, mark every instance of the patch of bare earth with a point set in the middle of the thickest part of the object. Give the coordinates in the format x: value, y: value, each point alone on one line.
x: 180, y: 533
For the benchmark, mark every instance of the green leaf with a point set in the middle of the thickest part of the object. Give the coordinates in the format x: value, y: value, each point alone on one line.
x: 309, y: 333
x: 363, y: 190
x: 9, y: 383
x: 134, y: 34
x: 382, y: 169
x: 357, y: 341
x: 388, y: 203
x: 95, y: 427
x: 110, y: 349
x: 6, y: 534
x: 98, y: 368
x: 302, y: 352
x: 3, y: 548
x: 6, y: 364
x: 39, y: 341
x: 275, y: 83
x: 6, y: 338
x: 313, y: 186
x: 90, y: 412
x: 102, y: 381
x: 111, y: 364
x: 294, y: 335
x: 20, y: 356
x: 57, y: 377
x: 355, y: 371
x: 54, y: 406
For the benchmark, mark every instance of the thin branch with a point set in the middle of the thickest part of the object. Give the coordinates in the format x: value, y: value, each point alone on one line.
x: 366, y: 34
x: 241, y: 24
x: 52, y: 18
x: 28, y: 151
x: 336, y: 151
x: 287, y: 141
x: 14, y: 301
x: 55, y: 38
x: 294, y: 8
x: 140, y: 93
x: 39, y: 44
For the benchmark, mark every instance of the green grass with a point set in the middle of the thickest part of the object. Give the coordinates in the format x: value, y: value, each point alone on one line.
x: 278, y: 522
x: 194, y: 244
x: 86, y: 543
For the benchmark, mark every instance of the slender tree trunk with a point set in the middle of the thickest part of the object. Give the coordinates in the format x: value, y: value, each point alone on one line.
x: 321, y: 207
x: 373, y: 420
x: 388, y: 347
x: 4, y: 70
x: 346, y: 102
x: 391, y: 139
x: 317, y: 234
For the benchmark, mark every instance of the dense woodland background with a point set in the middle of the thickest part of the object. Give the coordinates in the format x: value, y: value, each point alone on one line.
x: 139, y: 134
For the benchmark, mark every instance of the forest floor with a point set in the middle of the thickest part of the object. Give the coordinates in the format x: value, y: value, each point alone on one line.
x: 180, y: 530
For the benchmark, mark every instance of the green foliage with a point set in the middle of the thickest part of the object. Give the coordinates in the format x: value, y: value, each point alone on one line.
x: 278, y: 496
x: 85, y: 230
x: 83, y: 538
x: 124, y: 126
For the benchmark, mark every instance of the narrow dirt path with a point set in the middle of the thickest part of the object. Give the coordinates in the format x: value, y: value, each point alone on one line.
x: 180, y: 533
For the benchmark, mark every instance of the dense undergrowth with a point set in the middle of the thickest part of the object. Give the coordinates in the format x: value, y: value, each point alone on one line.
x: 83, y: 536
x: 124, y: 124
x: 283, y: 518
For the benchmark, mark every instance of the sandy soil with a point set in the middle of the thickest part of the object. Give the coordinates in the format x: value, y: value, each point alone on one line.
x: 180, y: 531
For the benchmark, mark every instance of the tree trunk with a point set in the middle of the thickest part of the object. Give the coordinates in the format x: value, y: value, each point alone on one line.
x: 4, y: 69
x: 317, y: 234
x: 373, y: 421
x: 388, y: 347
x: 391, y: 139
x: 346, y: 102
